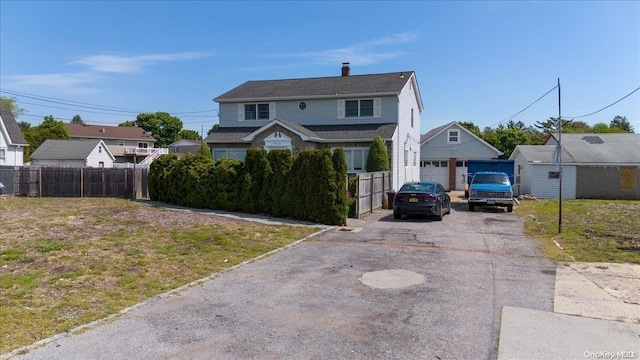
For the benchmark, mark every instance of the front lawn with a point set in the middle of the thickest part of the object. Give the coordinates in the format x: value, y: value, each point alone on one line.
x: 65, y: 262
x: 592, y: 230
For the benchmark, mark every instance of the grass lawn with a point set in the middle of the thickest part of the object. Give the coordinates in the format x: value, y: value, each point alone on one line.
x: 65, y: 262
x: 592, y: 230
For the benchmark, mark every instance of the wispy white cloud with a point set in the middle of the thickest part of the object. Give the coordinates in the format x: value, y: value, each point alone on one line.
x: 364, y: 53
x: 130, y: 64
x: 66, y: 82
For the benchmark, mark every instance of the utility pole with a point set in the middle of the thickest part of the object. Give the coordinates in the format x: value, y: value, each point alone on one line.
x: 559, y: 149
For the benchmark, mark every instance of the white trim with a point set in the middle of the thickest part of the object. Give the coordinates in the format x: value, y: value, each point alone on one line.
x: 261, y: 129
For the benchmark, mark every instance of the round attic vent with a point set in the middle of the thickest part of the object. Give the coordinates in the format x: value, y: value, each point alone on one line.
x: 302, y: 105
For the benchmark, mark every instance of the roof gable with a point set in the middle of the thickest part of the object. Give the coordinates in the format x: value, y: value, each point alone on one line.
x: 454, y: 124
x: 299, y: 130
x: 68, y: 149
x: 109, y: 132
x: 335, y: 86
x: 9, y: 125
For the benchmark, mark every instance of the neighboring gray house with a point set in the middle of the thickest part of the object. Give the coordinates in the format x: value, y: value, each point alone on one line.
x: 73, y: 153
x: 345, y: 111
x: 594, y: 166
x: 444, y: 152
x: 12, y: 143
x: 184, y: 146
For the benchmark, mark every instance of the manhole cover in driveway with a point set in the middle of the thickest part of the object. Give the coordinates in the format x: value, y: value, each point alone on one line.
x: 392, y: 279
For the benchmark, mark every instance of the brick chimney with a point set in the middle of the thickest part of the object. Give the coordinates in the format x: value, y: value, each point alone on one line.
x: 346, y: 70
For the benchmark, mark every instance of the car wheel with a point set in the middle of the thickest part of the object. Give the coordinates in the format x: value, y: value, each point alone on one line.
x: 449, y: 207
x: 439, y: 214
x: 397, y: 215
x: 509, y: 208
x: 470, y: 207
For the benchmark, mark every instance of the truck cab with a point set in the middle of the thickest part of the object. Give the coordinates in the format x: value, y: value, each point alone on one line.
x: 490, y: 188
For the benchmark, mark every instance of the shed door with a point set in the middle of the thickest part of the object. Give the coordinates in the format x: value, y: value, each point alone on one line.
x: 436, y: 170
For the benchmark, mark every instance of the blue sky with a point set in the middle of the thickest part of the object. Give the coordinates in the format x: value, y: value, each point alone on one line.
x: 480, y: 61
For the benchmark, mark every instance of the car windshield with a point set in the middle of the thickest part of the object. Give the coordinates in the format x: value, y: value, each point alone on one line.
x: 491, y: 179
x: 425, y: 188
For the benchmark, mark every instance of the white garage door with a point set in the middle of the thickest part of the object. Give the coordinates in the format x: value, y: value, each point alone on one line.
x: 435, y: 171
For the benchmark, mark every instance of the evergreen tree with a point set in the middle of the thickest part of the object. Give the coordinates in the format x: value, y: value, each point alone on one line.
x: 378, y: 158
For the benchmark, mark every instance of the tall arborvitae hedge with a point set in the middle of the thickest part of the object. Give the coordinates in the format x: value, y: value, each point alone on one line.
x: 341, y: 205
x: 378, y: 158
x: 158, y: 176
x: 311, y: 187
x: 275, y: 184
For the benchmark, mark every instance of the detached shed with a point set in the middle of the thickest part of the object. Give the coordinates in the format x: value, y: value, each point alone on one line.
x: 73, y: 153
x: 594, y: 166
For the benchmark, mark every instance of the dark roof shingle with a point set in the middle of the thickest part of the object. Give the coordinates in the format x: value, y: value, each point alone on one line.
x: 9, y: 121
x: 109, y: 132
x: 65, y: 149
x: 319, y: 87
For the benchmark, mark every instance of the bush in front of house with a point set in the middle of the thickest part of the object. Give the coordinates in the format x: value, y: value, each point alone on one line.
x: 158, y: 177
x: 378, y: 158
x: 310, y: 187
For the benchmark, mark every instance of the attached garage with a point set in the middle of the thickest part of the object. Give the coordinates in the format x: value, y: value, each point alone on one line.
x: 436, y: 170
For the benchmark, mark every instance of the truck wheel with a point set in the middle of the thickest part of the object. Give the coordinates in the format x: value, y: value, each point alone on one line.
x: 470, y: 207
x: 509, y: 208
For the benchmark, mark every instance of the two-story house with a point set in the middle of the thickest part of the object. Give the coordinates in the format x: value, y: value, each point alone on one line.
x: 12, y: 143
x: 127, y: 144
x: 346, y: 111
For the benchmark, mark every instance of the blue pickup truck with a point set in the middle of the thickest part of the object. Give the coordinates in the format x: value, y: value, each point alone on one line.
x: 490, y: 188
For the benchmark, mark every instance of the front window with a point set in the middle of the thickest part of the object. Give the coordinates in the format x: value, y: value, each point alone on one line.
x: 3, y: 156
x: 256, y: 111
x: 143, y: 145
x: 101, y: 164
x: 358, y: 108
x: 356, y: 159
x: 237, y: 154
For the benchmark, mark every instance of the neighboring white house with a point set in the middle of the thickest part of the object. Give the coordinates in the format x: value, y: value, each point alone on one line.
x: 12, y: 143
x: 594, y: 166
x: 73, y: 153
x: 345, y: 111
x: 126, y: 144
x: 444, y: 152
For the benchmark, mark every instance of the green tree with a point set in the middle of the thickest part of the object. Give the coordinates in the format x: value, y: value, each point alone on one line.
x: 24, y: 126
x: 189, y: 134
x: 215, y: 127
x: 578, y: 127
x: 163, y: 126
x: 129, y: 123
x: 205, y: 151
x: 550, y: 125
x: 621, y: 122
x: 77, y: 119
x: 12, y: 104
x: 378, y: 158
x: 471, y: 127
x: 50, y: 128
x: 341, y: 207
x: 603, y: 128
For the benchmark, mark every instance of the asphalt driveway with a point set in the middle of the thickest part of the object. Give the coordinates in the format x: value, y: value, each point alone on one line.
x: 308, y: 301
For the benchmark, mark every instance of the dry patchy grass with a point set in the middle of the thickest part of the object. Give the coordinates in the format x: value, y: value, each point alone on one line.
x: 592, y: 230
x: 65, y: 262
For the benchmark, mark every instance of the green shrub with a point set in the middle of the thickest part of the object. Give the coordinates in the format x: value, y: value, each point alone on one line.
x: 158, y: 176
x: 378, y: 158
x: 225, y: 188
x: 340, y: 168
x: 276, y: 183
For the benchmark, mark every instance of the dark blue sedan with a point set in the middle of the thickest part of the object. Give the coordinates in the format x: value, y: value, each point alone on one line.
x: 424, y: 198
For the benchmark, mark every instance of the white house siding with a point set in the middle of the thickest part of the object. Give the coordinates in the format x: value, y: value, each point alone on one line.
x: 522, y: 181
x: 94, y: 159
x: 317, y: 112
x: 544, y: 188
x: 409, y: 137
x: 12, y: 154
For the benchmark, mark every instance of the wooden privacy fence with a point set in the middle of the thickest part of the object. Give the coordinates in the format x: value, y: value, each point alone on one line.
x: 371, y: 190
x: 78, y: 182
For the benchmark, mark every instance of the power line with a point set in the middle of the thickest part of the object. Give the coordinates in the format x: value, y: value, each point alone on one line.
x: 606, y: 107
x: 523, y: 110
x: 87, y: 105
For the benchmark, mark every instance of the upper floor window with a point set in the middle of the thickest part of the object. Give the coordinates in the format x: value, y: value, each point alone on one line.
x: 454, y: 137
x: 120, y: 142
x: 359, y: 108
x: 264, y: 111
x: 143, y: 145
